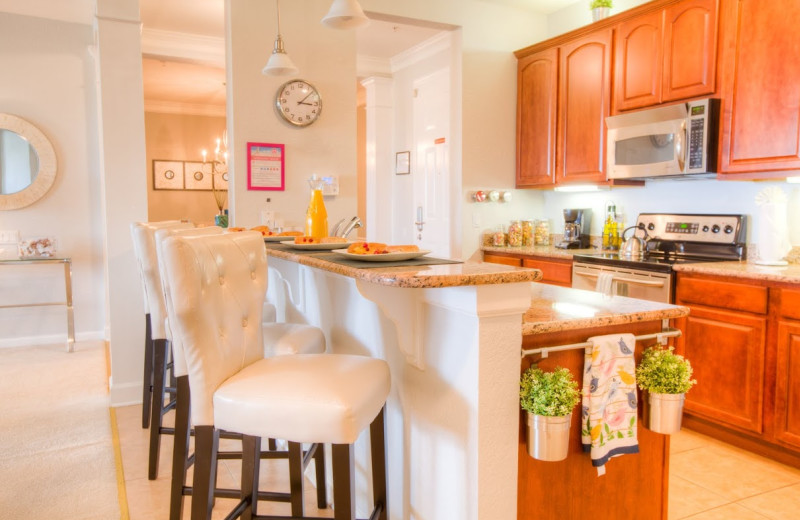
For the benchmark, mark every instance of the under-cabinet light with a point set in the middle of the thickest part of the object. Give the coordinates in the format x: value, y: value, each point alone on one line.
x: 581, y: 187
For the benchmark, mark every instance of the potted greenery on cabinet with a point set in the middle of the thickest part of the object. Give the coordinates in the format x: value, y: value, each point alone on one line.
x: 548, y: 398
x: 600, y: 9
x: 665, y: 377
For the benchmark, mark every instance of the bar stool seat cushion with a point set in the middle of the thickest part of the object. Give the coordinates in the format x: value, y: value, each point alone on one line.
x: 302, y: 398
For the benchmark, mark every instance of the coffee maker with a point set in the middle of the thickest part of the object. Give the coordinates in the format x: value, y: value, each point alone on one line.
x: 576, y: 229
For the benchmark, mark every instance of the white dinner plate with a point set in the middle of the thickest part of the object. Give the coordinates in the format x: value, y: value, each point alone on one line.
x: 278, y: 238
x: 388, y: 257
x: 317, y: 247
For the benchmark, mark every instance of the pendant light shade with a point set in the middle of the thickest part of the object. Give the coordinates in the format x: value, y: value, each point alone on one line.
x: 345, y: 14
x: 279, y: 63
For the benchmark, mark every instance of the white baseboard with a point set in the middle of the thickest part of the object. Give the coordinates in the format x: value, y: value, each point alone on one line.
x: 124, y: 395
x: 49, y: 339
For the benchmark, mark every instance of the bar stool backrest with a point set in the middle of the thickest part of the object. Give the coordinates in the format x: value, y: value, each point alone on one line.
x: 217, y: 285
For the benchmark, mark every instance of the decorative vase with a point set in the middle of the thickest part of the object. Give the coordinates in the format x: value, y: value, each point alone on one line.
x: 598, y: 13
x: 662, y: 413
x: 548, y: 437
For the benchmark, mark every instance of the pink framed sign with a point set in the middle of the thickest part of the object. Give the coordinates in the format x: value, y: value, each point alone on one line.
x: 265, y: 166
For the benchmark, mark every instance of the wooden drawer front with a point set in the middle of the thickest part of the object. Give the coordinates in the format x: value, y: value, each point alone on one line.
x: 727, y: 354
x: 787, y: 385
x: 553, y: 272
x: 725, y: 295
x: 501, y: 259
x: 790, y: 304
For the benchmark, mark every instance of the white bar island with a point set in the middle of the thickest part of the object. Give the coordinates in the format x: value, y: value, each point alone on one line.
x: 452, y: 336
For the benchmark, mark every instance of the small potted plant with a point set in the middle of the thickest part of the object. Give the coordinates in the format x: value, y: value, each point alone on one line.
x: 548, y: 398
x: 665, y: 377
x: 600, y: 9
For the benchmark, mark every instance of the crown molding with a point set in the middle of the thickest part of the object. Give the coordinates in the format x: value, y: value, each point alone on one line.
x: 367, y: 66
x: 203, y: 50
x: 187, y: 109
x: 421, y: 51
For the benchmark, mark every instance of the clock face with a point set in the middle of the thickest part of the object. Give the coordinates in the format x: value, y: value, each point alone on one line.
x: 298, y: 102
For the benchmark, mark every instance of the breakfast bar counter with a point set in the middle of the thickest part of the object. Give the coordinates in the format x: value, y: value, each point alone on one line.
x: 452, y: 336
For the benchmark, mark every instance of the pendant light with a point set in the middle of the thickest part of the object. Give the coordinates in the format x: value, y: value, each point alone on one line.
x: 279, y: 63
x: 345, y: 14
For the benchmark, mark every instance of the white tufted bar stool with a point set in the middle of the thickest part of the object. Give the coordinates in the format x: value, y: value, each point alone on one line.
x: 216, y: 285
x: 279, y: 339
x: 157, y: 352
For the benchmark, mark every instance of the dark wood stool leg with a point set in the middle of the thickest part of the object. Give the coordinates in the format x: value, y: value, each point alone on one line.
x: 251, y: 459
x: 377, y: 442
x: 159, y: 374
x: 296, y: 478
x: 147, y: 378
x: 344, y: 493
x: 319, y: 466
x: 180, y: 453
x: 206, y: 440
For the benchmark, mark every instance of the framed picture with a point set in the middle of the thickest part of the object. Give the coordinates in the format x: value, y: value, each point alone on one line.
x: 265, y: 166
x: 197, y: 176
x: 221, y: 181
x: 402, y: 163
x: 167, y: 175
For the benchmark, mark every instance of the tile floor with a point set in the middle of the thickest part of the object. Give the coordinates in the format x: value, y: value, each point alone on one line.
x: 709, y: 480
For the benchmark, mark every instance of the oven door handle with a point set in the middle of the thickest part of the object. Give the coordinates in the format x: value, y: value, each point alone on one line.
x: 627, y: 280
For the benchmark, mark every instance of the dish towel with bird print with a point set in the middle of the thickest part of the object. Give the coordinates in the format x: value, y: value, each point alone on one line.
x: 608, y: 419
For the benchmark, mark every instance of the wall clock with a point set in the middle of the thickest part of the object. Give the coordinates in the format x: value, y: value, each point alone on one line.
x: 298, y: 102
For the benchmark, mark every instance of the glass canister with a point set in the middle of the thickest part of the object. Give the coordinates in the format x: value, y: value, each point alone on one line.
x: 316, y: 215
x: 541, y: 233
x: 527, y: 233
x: 499, y: 237
x: 515, y: 233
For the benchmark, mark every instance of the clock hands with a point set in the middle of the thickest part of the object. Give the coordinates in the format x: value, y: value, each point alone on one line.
x: 302, y: 101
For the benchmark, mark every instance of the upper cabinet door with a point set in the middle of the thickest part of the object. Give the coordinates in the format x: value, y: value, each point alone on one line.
x: 584, y: 99
x: 690, y: 49
x: 637, y: 62
x: 537, y: 88
x: 761, y: 86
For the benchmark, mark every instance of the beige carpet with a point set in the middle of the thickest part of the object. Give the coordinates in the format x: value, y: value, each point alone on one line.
x: 56, y: 450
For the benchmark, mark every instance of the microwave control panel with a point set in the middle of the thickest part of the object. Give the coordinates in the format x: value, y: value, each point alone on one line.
x: 698, y: 114
x: 716, y: 229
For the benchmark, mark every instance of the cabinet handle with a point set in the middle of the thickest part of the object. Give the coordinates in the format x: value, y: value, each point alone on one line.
x: 633, y: 281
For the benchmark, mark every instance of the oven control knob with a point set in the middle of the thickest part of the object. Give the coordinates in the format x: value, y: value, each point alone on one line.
x: 728, y: 229
x: 705, y: 229
x: 715, y: 228
x: 651, y: 226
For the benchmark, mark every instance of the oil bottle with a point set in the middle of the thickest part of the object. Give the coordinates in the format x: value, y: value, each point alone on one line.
x: 610, y: 228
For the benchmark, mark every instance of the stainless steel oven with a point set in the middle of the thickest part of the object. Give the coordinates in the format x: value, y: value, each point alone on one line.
x: 672, y: 238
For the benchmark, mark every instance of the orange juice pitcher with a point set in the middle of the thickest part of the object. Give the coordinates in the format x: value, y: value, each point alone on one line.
x: 317, y: 215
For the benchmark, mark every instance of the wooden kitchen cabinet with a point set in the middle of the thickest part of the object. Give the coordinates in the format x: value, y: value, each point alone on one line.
x: 501, y: 258
x: 554, y: 271
x: 760, y: 88
x: 537, y: 88
x: 787, y: 374
x: 584, y: 98
x: 666, y: 55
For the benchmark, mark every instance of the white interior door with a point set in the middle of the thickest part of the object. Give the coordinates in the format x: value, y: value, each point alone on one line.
x: 431, y: 163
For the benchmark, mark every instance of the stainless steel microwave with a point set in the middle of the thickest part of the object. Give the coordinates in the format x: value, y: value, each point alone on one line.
x: 667, y: 141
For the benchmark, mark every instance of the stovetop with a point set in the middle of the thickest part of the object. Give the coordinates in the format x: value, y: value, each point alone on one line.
x: 674, y: 238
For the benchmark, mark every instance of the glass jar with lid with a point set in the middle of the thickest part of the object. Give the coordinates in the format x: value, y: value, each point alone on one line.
x: 541, y: 233
x: 515, y: 233
x: 527, y: 233
x: 499, y: 237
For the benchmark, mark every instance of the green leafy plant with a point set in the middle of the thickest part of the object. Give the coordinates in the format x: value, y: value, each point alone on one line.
x: 661, y: 371
x: 600, y: 3
x: 548, y: 393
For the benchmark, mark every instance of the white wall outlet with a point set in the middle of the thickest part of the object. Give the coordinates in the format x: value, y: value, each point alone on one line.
x: 9, y: 237
x: 267, y: 218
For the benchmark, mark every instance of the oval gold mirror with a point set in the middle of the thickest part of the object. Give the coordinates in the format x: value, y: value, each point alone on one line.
x: 27, y: 163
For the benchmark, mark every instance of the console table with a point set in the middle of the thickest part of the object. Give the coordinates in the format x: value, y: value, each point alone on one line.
x: 67, y: 262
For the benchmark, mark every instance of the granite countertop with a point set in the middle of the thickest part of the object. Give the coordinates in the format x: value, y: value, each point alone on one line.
x: 550, y: 251
x: 750, y: 270
x: 426, y: 276
x: 555, y: 309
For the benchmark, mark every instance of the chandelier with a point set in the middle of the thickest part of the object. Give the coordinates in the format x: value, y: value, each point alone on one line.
x: 219, y: 170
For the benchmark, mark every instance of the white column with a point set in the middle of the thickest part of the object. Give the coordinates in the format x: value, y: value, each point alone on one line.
x: 380, y: 156
x: 123, y: 167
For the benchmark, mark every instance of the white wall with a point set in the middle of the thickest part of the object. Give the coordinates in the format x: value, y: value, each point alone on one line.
x: 579, y: 14
x: 48, y: 80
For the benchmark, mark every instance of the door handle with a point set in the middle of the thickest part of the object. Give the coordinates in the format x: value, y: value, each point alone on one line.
x: 420, y: 223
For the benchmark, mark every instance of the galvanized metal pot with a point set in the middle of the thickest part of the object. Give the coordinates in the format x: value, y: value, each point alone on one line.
x: 662, y: 413
x: 548, y: 437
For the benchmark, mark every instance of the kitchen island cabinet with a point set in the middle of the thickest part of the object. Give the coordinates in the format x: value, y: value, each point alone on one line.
x: 743, y: 338
x: 452, y: 336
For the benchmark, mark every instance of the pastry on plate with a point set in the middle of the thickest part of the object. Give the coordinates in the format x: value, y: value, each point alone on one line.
x: 306, y: 240
x: 290, y: 234
x: 367, y: 248
x: 403, y: 249
x: 333, y: 240
x: 235, y: 229
x: 265, y: 231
